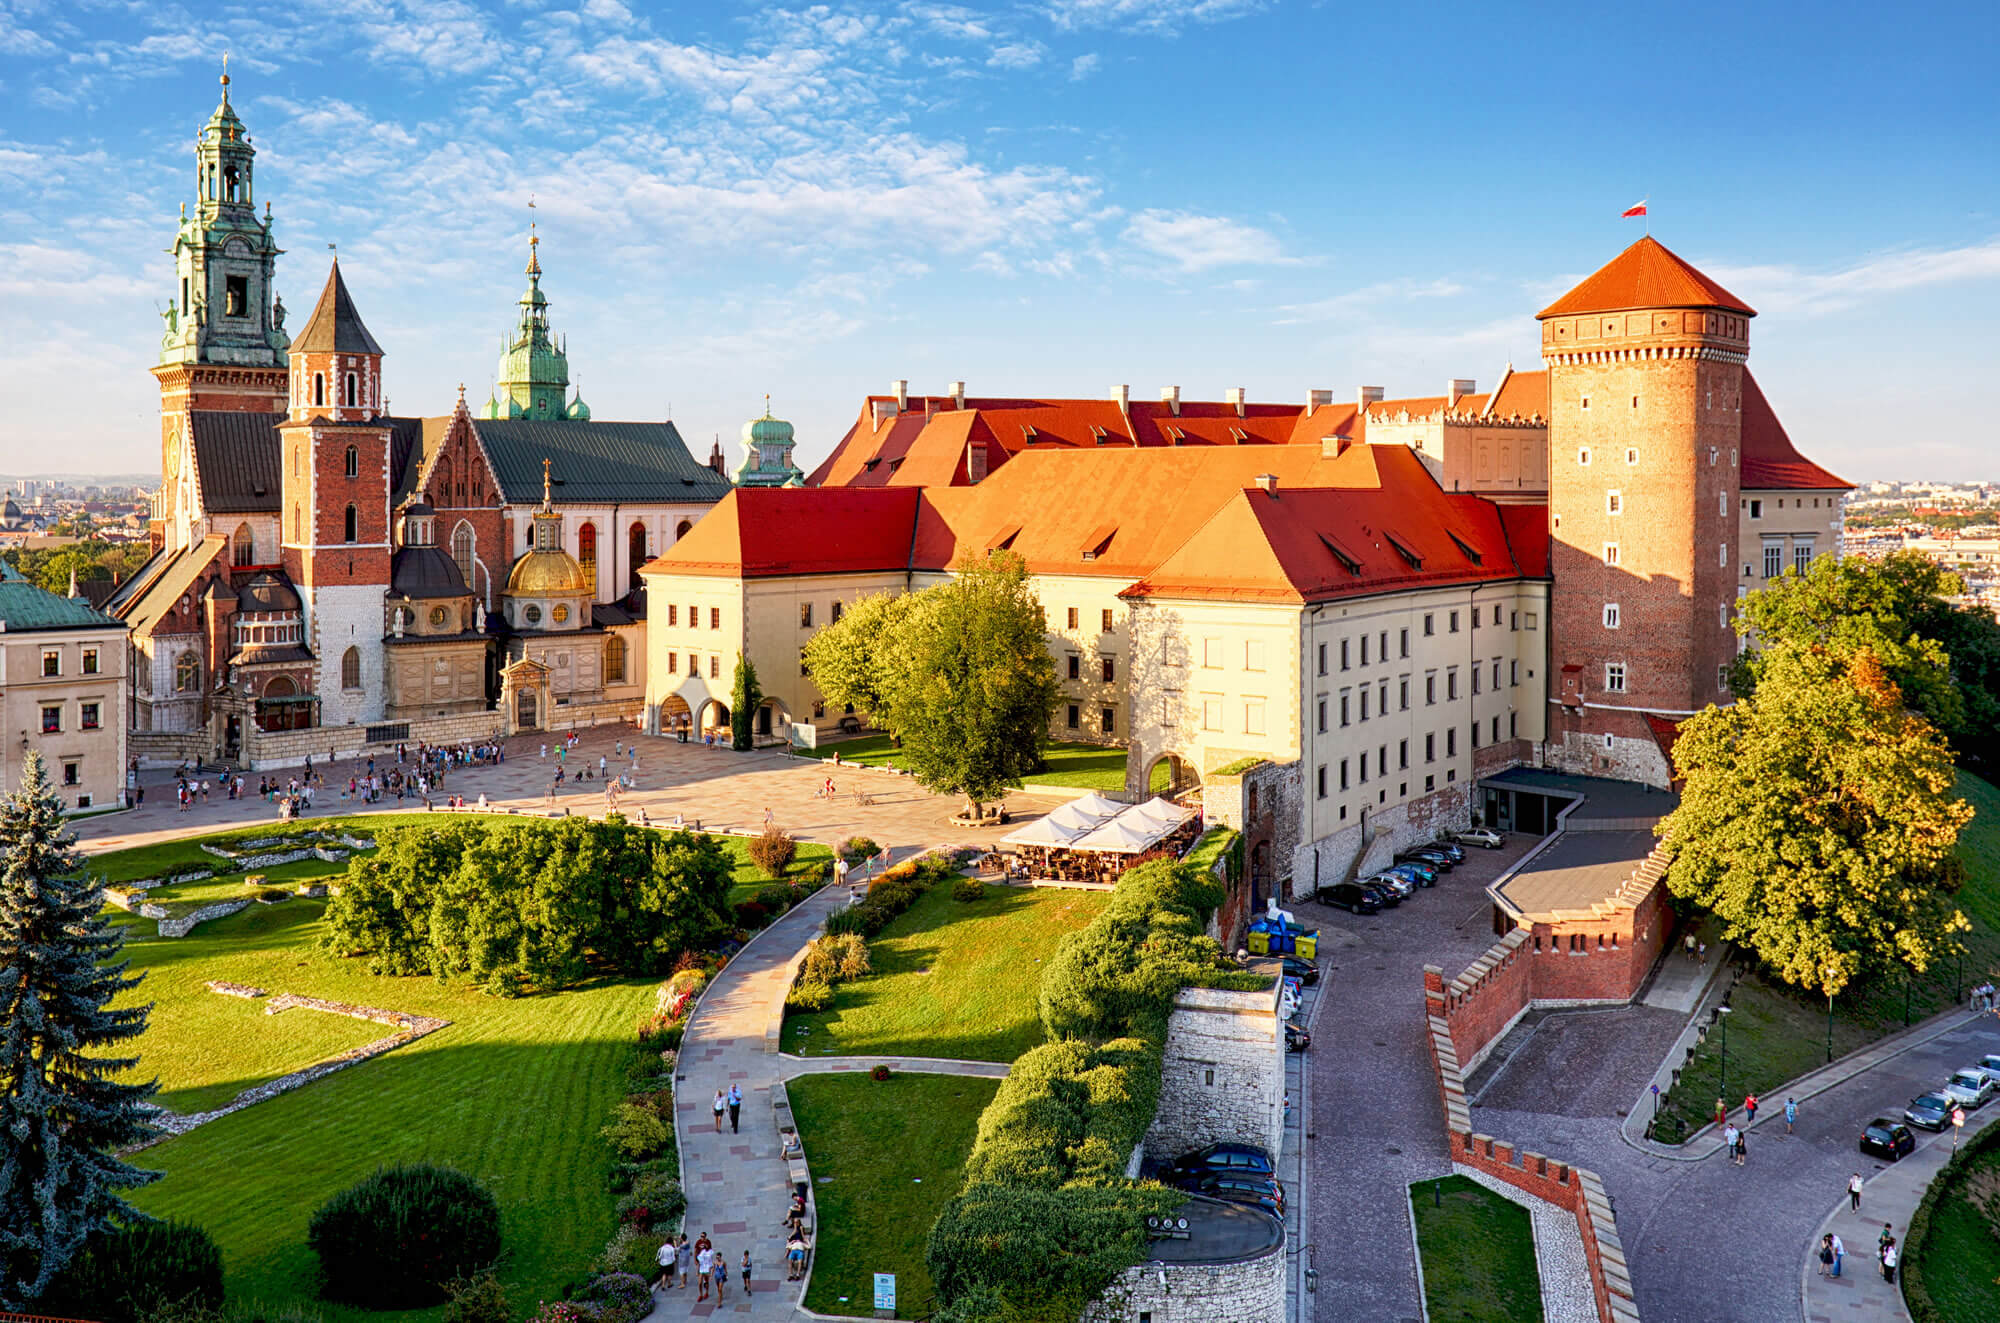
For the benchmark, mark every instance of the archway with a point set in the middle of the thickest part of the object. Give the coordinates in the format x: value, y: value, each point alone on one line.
x: 635, y: 553
x: 674, y: 714
x: 524, y: 709
x: 773, y: 718
x: 1170, y: 774
x: 714, y: 715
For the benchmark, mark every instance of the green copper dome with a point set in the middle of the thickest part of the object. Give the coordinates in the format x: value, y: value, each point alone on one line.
x: 533, y: 380
x: 767, y: 453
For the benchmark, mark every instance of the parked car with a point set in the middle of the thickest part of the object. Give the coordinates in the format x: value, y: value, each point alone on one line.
x: 1263, y: 1192
x: 1480, y: 836
x: 1971, y: 1087
x: 1403, y: 885
x: 1428, y: 857
x: 1225, y: 1156
x: 1388, y: 895
x: 1932, y: 1111
x: 1417, y: 873
x: 1350, y: 896
x: 1990, y: 1064
x: 1449, y: 850
x: 1302, y: 969
x: 1296, y: 1039
x: 1884, y: 1138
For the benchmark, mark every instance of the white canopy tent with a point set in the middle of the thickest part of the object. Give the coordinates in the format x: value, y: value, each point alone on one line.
x: 1124, y: 834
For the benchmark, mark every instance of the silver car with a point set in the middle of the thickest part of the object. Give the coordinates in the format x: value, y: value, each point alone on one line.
x: 1971, y: 1087
x: 1396, y: 882
x: 1480, y: 836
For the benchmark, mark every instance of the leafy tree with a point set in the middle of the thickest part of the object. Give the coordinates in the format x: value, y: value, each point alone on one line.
x: 50, y: 567
x: 846, y: 660
x: 744, y: 700
x: 63, y: 1117
x: 1818, y: 821
x: 960, y: 673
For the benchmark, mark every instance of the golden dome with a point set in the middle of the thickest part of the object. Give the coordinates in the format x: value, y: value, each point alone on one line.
x: 552, y: 573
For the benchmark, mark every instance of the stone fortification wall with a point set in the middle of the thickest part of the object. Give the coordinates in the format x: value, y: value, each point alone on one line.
x: 1223, y: 1077
x: 1246, y: 1291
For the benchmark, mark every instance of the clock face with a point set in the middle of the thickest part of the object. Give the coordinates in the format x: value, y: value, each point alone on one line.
x: 561, y: 614
x: 438, y: 616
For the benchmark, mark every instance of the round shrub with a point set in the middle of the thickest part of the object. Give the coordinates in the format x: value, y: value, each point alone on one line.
x: 968, y: 890
x: 620, y: 1297
x: 776, y: 899
x: 857, y: 848
x: 772, y: 851
x: 478, y: 1299
x: 879, y: 1073
x: 749, y: 914
x: 809, y: 997
x: 134, y: 1270
x: 636, y: 1131
x: 395, y: 1239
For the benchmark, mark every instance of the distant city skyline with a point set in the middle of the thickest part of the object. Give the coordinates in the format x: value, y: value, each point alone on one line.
x: 1044, y: 198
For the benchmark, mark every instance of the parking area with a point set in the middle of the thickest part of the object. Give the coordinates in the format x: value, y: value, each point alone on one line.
x: 1375, y: 1122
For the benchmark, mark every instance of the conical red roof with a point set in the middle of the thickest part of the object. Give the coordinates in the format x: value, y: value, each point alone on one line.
x: 1646, y: 275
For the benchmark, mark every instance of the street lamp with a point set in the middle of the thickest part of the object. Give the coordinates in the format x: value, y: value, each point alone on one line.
x: 1722, y: 1014
x: 1828, y: 973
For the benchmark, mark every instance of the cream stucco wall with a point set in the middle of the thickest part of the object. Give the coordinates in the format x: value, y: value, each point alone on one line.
x: 1794, y: 522
x: 94, y: 757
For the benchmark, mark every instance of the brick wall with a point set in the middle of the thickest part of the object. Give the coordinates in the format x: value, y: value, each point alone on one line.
x: 1223, y: 1073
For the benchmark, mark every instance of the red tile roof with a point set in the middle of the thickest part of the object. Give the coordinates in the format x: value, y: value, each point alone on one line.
x: 1521, y: 395
x: 1527, y: 530
x: 1646, y: 275
x: 1770, y: 461
x: 1310, y: 544
x: 772, y: 532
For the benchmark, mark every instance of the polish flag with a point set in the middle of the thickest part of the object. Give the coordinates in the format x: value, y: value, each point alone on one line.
x: 1638, y: 209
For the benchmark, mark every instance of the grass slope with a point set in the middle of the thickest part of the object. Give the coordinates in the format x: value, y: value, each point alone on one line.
x: 1081, y: 766
x: 952, y: 978
x: 1961, y: 1252
x: 895, y: 1151
x: 1777, y: 1033
x: 1479, y: 1254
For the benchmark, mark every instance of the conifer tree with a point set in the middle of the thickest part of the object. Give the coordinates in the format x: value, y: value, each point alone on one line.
x: 63, y: 1115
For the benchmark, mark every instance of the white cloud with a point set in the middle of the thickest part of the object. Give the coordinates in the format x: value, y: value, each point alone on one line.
x: 1194, y: 242
x: 1016, y: 55
x: 1789, y: 289
x: 1348, y: 304
x: 1157, y: 16
x: 1083, y: 66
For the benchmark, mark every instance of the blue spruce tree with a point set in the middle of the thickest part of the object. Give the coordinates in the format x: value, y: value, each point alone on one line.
x: 63, y: 1115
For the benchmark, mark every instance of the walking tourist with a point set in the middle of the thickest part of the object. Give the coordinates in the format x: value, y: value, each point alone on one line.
x: 683, y: 1256
x: 1826, y: 1254
x: 720, y: 1104
x: 1854, y: 1192
x: 746, y: 1274
x: 704, y: 1263
x: 735, y: 1107
x: 1839, y: 1253
x: 1750, y: 1109
x: 721, y: 1275
x: 667, y: 1253
x: 1791, y: 1114
x: 1889, y: 1261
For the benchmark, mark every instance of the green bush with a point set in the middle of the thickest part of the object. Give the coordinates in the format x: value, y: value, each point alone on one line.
x: 969, y: 889
x: 749, y: 915
x: 808, y: 997
x: 131, y: 1269
x: 621, y: 1295
x: 851, y: 920
x: 835, y: 959
x: 777, y: 899
x: 630, y: 1249
x: 772, y: 851
x: 654, y: 1202
x: 477, y: 1299
x: 857, y: 849
x: 393, y: 1240
x: 1945, y: 1185
x: 636, y: 1132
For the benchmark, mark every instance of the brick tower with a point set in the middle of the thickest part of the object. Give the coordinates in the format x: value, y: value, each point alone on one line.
x: 1645, y: 362
x: 334, y: 508
x: 223, y: 347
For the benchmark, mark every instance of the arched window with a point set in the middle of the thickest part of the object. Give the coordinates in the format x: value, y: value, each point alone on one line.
x: 614, y: 660
x: 681, y: 529
x: 586, y: 554
x: 245, y: 547
x: 350, y: 669
x: 230, y: 186
x: 187, y: 673
x: 353, y: 391
x: 352, y: 525
x: 280, y: 686
x: 461, y: 550
x: 353, y: 457
x: 319, y: 388
x: 635, y: 552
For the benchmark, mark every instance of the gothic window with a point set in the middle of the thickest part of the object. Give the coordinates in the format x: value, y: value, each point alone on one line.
x: 353, y: 391
x: 635, y: 551
x: 614, y: 660
x: 319, y: 389
x: 351, y: 526
x: 245, y: 546
x: 353, y: 455
x: 350, y: 669
x: 187, y: 673
x: 586, y: 554
x: 235, y: 296
x: 461, y: 550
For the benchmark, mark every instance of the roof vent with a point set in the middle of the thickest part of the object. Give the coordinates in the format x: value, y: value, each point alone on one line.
x: 1234, y: 396
x: 1457, y: 389
x: 1171, y: 397
x: 1369, y: 395
x: 1318, y: 399
x: 1268, y: 484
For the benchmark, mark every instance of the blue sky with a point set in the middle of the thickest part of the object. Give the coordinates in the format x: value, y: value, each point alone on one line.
x: 1047, y: 197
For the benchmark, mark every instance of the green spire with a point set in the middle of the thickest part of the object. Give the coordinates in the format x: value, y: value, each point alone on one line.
x: 534, y: 367
x: 767, y: 453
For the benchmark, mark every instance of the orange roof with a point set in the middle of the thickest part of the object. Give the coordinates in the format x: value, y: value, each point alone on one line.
x: 1328, y: 420
x: 1646, y: 275
x: 772, y: 532
x: 1521, y: 395
x: 1527, y: 530
x: 1770, y: 460
x: 1311, y: 544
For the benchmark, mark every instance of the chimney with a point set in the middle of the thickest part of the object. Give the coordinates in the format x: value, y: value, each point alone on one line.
x: 1268, y: 484
x: 1121, y: 395
x: 901, y: 387
x: 1457, y: 389
x: 1331, y: 446
x: 958, y: 395
x: 1368, y: 395
x: 1318, y: 399
x: 1171, y: 397
x: 1234, y: 395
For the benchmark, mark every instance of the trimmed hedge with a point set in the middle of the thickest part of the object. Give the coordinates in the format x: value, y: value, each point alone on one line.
x: 1046, y: 1219
x: 1916, y: 1290
x: 133, y: 1270
x: 397, y: 1237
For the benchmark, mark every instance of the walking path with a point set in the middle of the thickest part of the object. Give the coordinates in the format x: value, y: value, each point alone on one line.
x: 1860, y: 1294
x: 737, y: 1180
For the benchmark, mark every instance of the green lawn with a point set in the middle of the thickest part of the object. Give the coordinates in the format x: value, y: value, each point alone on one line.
x: 952, y: 978
x: 886, y: 1156
x: 1479, y: 1254
x: 1081, y: 766
x: 1960, y: 1255
x: 1777, y: 1033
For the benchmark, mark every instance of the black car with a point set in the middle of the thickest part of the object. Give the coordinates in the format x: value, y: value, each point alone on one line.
x: 1425, y: 855
x: 1350, y: 896
x: 1932, y: 1111
x: 1238, y: 1188
x: 1305, y: 971
x: 1386, y: 896
x: 1296, y: 1039
x: 1884, y: 1138
x: 1451, y: 850
x: 1224, y: 1157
